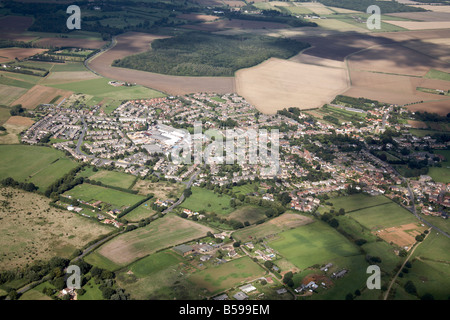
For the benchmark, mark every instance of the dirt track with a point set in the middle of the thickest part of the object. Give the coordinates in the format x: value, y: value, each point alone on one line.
x: 133, y: 43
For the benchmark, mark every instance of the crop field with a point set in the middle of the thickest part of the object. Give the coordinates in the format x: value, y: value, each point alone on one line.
x: 92, y: 193
x: 25, y: 163
x: 224, y: 276
x: 252, y: 214
x: 36, y: 292
x: 356, y: 201
x: 276, y: 84
x: 165, y: 232
x: 33, y: 230
x: 272, y: 227
x: 421, y: 25
x: 133, y: 43
x: 9, y: 54
x: 41, y: 94
x: 203, y: 199
x: 9, y: 94
x: 311, y: 244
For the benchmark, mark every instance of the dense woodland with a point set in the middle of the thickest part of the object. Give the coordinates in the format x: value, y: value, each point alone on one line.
x: 201, y: 54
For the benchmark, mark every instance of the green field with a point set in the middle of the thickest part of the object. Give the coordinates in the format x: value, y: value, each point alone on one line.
x: 312, y: 244
x: 91, y: 193
x: 142, y: 212
x: 101, y: 88
x: 384, y: 216
x: 203, y: 199
x: 4, y: 115
x: 39, y: 165
x: 441, y: 174
x: 252, y: 214
x: 154, y: 263
x: 69, y: 66
x: 92, y: 291
x: 109, y: 178
x: 436, y: 74
x: 227, y: 275
x: 15, y: 83
x: 162, y: 233
x: 356, y: 202
x: 36, y: 292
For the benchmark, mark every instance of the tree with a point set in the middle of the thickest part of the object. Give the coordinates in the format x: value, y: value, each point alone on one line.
x: 427, y: 296
x: 268, y: 264
x: 349, y: 296
x: 410, y: 288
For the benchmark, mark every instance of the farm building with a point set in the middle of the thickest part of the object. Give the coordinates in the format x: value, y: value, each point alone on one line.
x: 183, y: 250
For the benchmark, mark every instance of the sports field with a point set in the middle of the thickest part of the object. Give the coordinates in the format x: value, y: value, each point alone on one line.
x: 165, y: 232
x: 227, y: 275
x: 39, y: 165
x: 311, y: 244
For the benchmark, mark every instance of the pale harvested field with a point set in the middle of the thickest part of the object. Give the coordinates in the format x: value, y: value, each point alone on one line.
x: 417, y: 124
x: 20, y: 121
x: 276, y: 84
x: 293, y: 33
x: 423, y: 16
x: 395, y: 59
x: 41, y: 94
x: 395, y: 89
x: 413, y: 35
x: 8, y: 94
x: 72, y: 76
x: 441, y: 107
x: 342, y: 10
x: 402, y: 236
x: 235, y: 24
x: 32, y: 230
x: 8, y: 54
x: 197, y: 17
x: 71, y: 42
x: 434, y: 8
x: 236, y: 4
x: 12, y: 131
x: 421, y: 25
x: 132, y: 43
x: 309, y: 59
x: 162, y: 233
x: 290, y: 220
x: 316, y: 7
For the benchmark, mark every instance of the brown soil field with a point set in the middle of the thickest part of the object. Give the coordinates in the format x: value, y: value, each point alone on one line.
x: 235, y: 24
x: 423, y: 16
x: 394, y: 59
x: 413, y: 35
x: 276, y: 84
x: 72, y: 42
x: 8, y: 54
x: 40, y: 94
x: 421, y: 25
x: 318, y: 279
x: 197, y: 17
x: 15, y: 24
x: 132, y: 43
x: 20, y: 121
x: 437, y: 48
x: 402, y: 236
x: 441, y: 107
x: 31, y: 229
x: 170, y: 230
x: 417, y: 124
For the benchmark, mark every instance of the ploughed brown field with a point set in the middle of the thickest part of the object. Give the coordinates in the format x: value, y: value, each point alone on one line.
x: 9, y: 54
x: 133, y: 43
x: 72, y: 42
x: 12, y: 27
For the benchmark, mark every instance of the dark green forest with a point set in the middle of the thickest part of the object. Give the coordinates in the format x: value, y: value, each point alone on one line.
x: 201, y: 54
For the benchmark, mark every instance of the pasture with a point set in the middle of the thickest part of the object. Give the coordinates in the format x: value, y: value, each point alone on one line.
x: 92, y: 193
x: 109, y: 178
x: 39, y: 165
x: 33, y: 230
x: 163, y: 233
x: 252, y: 214
x: 355, y: 202
x: 312, y: 244
x: 162, y: 190
x: 218, y: 278
x: 204, y: 199
x: 142, y: 212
